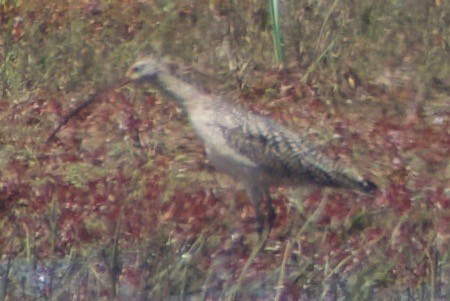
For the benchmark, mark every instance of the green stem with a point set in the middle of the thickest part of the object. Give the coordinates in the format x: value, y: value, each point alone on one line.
x: 275, y: 15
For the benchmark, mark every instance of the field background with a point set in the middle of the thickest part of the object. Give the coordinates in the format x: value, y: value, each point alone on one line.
x: 123, y: 204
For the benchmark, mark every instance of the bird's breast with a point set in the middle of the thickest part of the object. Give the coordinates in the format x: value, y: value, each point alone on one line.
x: 210, y: 123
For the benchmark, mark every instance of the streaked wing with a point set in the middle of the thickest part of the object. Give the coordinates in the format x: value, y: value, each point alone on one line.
x: 280, y: 152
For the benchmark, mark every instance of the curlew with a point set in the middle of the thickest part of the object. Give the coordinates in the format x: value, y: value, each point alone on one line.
x: 253, y: 149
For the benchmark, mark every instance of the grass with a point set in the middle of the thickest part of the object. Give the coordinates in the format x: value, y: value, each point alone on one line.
x: 124, y: 199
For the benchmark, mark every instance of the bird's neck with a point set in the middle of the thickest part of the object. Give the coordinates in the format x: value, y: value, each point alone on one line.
x: 176, y: 89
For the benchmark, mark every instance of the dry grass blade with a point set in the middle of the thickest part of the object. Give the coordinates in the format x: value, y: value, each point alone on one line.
x: 280, y: 286
x: 235, y: 289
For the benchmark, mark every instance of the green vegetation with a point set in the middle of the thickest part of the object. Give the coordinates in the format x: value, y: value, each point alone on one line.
x: 123, y: 201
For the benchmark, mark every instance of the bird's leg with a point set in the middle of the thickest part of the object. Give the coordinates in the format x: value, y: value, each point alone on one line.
x: 255, y: 195
x: 270, y: 211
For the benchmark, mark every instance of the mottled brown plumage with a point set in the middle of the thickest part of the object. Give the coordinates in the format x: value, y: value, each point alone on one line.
x: 253, y: 149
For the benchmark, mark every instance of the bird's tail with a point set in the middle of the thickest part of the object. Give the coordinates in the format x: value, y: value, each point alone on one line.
x: 350, y: 180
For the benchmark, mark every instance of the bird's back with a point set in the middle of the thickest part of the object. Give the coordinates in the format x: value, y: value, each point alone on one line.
x: 240, y: 142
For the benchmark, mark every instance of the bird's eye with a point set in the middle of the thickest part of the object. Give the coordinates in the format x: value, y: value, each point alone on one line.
x: 136, y: 69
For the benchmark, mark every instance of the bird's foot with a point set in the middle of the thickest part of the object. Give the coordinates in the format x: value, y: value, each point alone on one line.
x: 265, y: 224
x: 271, y: 215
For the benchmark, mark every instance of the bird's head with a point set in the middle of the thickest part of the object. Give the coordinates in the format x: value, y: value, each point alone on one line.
x: 145, y: 68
